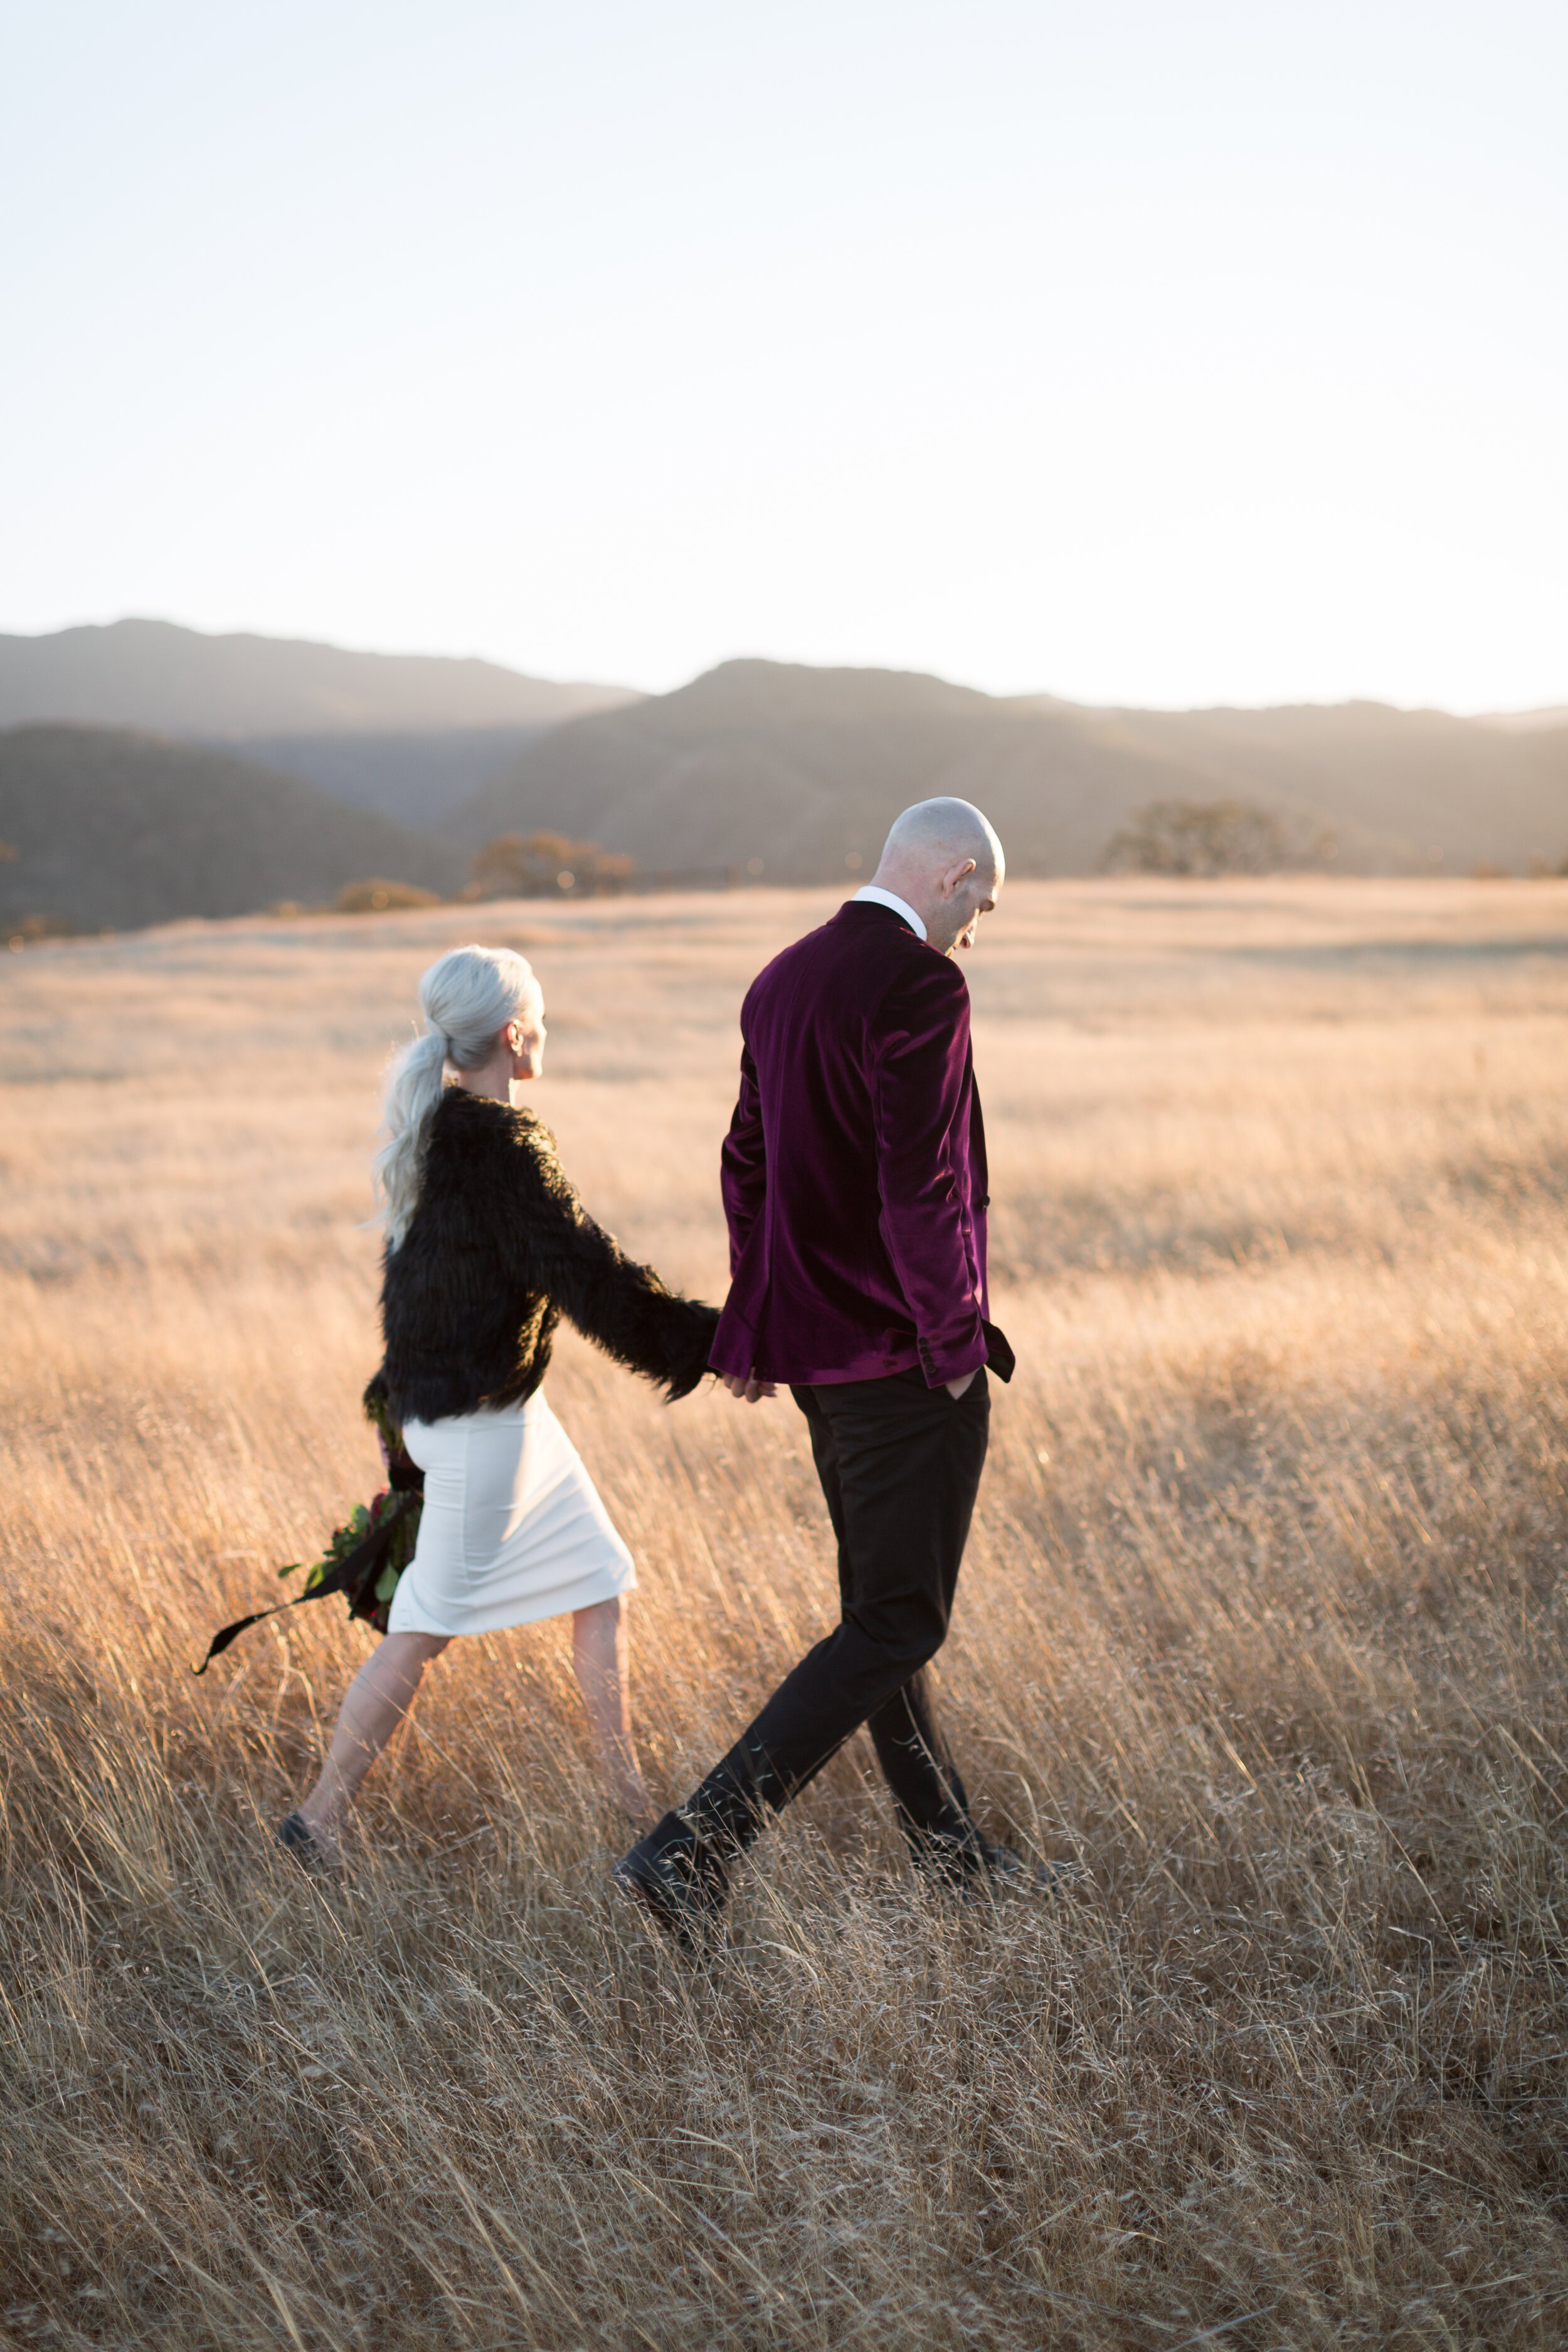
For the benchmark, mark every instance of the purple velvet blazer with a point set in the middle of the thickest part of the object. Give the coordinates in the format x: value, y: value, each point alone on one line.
x: 854, y: 1171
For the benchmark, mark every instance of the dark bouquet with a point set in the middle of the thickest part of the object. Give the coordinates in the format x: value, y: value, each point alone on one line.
x: 367, y: 1554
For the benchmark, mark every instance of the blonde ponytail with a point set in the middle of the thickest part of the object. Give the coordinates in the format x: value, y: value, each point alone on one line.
x: 467, y: 996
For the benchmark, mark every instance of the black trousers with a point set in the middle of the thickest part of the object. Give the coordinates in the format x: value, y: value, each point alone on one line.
x: 900, y: 1465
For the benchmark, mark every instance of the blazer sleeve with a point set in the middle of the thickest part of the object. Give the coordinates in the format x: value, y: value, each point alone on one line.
x: 621, y: 1305
x: 743, y: 1163
x: 920, y: 1051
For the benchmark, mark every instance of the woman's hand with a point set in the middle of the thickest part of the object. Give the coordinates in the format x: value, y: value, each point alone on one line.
x: 749, y: 1386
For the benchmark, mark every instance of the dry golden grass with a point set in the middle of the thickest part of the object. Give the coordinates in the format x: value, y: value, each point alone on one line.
x: 1263, y: 1620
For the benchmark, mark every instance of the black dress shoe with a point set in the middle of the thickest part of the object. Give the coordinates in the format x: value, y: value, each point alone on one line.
x: 985, y: 1871
x: 679, y: 1882
x: 305, y: 1847
x: 1004, y: 1871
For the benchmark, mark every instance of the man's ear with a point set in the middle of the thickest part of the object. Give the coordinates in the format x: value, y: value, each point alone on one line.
x: 957, y: 875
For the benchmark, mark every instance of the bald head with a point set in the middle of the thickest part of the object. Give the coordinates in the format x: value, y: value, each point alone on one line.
x: 933, y: 831
x: 943, y: 859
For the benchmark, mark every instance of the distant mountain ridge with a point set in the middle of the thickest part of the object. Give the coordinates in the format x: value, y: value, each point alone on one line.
x: 797, y: 772
x: 757, y: 768
x: 176, y: 681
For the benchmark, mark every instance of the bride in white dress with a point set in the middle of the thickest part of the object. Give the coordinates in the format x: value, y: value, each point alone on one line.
x: 488, y: 1245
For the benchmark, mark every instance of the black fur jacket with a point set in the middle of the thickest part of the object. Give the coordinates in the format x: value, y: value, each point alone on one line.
x: 498, y: 1249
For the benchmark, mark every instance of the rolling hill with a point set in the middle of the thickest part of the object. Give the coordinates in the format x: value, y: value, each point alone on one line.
x: 800, y: 769
x: 1425, y: 789
x: 174, y: 681
x: 407, y: 736
x: 114, y: 830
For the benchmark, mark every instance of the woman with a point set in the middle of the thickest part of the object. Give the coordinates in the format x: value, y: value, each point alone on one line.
x: 487, y: 1246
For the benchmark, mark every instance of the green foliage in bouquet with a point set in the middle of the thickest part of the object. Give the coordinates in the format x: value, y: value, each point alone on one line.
x: 390, y: 1513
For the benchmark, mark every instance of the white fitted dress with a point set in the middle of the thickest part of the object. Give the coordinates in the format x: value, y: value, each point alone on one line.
x: 512, y: 1529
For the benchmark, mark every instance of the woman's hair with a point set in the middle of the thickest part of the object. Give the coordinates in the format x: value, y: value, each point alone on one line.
x: 467, y: 996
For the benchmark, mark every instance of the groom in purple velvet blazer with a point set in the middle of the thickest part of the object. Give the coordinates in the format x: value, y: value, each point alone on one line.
x: 854, y: 1183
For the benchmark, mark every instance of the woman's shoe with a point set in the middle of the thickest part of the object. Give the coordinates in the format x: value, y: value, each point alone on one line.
x: 305, y: 1847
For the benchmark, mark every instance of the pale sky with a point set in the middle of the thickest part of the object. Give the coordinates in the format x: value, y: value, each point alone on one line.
x: 1166, y: 354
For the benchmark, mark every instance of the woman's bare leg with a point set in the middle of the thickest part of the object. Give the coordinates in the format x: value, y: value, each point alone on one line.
x: 599, y: 1653
x: 375, y: 1703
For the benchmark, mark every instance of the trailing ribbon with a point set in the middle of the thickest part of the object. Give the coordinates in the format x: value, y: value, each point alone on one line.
x: 356, y: 1572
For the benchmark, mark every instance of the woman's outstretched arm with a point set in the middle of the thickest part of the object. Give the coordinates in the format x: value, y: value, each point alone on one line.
x: 621, y: 1305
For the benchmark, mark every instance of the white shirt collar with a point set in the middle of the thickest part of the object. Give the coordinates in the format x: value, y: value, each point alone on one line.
x: 879, y: 898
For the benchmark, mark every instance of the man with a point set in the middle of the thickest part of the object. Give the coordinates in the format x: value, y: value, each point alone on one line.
x: 854, y: 1182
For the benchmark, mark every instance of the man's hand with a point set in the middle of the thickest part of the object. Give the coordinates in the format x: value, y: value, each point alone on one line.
x: 752, y: 1389
x: 957, y: 1388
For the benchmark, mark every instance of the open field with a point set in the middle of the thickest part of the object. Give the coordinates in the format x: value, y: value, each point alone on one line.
x: 1263, y: 1620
